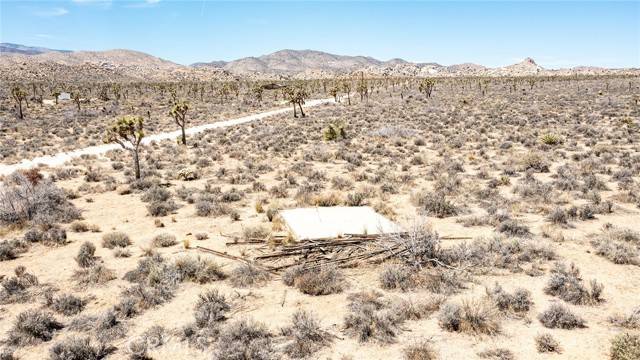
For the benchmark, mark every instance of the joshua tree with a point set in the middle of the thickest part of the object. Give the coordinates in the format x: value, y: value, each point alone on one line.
x: 334, y: 91
x: 77, y: 97
x: 346, y: 87
x: 296, y: 95
x: 19, y: 95
x: 55, y: 95
x: 179, y: 114
x: 257, y: 90
x: 362, y: 88
x: 128, y: 132
x: 426, y: 86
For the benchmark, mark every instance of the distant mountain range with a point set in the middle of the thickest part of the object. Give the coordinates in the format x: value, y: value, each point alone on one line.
x: 21, y: 63
x: 26, y: 50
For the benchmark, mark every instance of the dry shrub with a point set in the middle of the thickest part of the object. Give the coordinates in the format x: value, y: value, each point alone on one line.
x: 108, y: 327
x: 560, y: 316
x: 625, y: 346
x: 436, y: 204
x: 322, y: 280
x: 397, y: 276
x: 18, y: 288
x: 518, y: 302
x: 210, y: 309
x: 307, y: 337
x: 545, y: 343
x: 65, y: 304
x: 420, y: 351
x: 33, y: 327
x: 370, y: 318
x: 164, y: 240
x: 199, y: 270
x: 630, y: 321
x: 244, y: 339
x: 42, y: 202
x: 79, y: 348
x: 567, y: 285
x: 95, y: 275
x: 248, y: 275
x: 619, y: 245
x: 115, y: 239
x: 10, y: 249
x: 86, y: 255
x: 474, y: 316
x: 497, y: 354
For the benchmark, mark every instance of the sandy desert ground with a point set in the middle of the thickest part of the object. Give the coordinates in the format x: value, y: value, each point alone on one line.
x: 521, y: 200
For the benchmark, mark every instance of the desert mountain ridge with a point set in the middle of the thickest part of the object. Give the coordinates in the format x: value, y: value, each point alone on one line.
x: 20, y: 63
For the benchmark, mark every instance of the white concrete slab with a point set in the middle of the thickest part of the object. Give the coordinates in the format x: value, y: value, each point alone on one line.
x: 328, y: 222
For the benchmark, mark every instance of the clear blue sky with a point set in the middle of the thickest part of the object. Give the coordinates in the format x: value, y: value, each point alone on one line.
x: 555, y: 34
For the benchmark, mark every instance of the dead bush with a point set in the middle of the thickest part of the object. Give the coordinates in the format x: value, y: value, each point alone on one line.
x: 18, y: 288
x: 397, y: 276
x: 95, y: 275
x: 519, y: 301
x: 420, y: 351
x: 474, y: 316
x: 323, y: 280
x: 198, y: 270
x: 559, y: 316
x: 305, y: 334
x: 115, y: 239
x: 164, y: 240
x: 79, y: 348
x: 545, y: 343
x: 370, y: 317
x: 65, y: 304
x: 247, y: 275
x: 629, y: 321
x: 497, y: 354
x: 244, y: 339
x: 32, y: 327
x: 625, y: 346
x: 86, y: 255
x: 436, y: 204
x: 210, y: 309
x: 42, y: 202
x: 567, y: 285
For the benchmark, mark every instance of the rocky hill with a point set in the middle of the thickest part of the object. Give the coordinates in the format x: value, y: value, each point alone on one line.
x: 23, y: 64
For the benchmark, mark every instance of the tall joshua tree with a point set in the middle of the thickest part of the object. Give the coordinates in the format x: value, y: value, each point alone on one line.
x: 128, y: 132
x: 426, y: 86
x: 346, y: 88
x: 296, y: 96
x: 19, y: 95
x: 179, y: 114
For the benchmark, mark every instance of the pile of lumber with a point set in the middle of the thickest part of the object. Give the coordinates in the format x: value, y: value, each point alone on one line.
x: 345, y: 251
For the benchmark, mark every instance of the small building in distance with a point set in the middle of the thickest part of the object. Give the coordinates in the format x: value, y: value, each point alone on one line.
x: 64, y: 96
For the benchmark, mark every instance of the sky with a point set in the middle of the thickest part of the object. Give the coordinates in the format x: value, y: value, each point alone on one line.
x: 554, y: 33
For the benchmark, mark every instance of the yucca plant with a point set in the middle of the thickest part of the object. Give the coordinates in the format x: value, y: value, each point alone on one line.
x: 551, y: 139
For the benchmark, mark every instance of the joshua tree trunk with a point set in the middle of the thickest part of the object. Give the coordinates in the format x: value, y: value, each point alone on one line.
x: 348, y: 99
x: 184, y: 136
x: 301, y: 112
x: 20, y: 110
x: 295, y: 115
x: 136, y: 162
